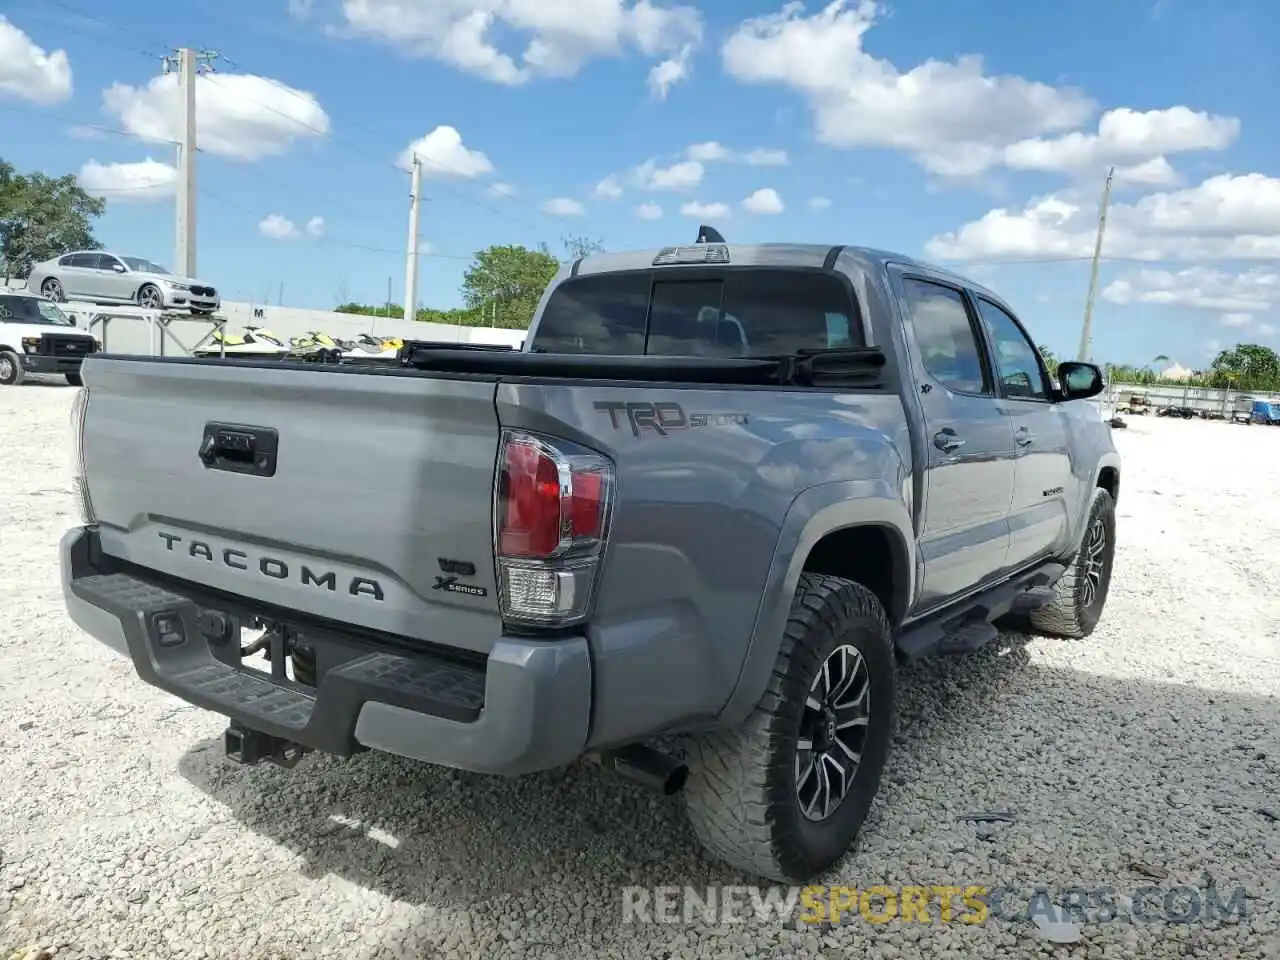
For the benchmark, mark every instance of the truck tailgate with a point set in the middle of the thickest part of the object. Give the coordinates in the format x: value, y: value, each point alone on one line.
x: 382, y: 483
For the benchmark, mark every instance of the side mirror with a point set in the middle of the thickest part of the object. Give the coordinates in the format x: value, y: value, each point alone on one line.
x: 1080, y: 381
x: 118, y: 267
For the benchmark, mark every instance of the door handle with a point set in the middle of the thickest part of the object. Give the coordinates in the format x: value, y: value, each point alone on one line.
x: 947, y: 441
x: 239, y: 449
x: 1024, y: 437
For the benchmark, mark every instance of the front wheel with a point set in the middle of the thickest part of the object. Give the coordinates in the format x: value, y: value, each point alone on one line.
x: 784, y: 795
x: 74, y: 379
x: 11, y: 371
x: 1081, y: 593
x: 150, y: 297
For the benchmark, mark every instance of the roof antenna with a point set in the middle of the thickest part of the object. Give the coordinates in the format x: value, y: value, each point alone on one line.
x: 708, y: 234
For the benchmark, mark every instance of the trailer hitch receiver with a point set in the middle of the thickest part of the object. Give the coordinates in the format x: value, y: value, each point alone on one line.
x: 251, y: 747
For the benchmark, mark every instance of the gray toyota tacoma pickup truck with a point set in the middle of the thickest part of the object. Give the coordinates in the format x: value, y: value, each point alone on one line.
x: 716, y: 497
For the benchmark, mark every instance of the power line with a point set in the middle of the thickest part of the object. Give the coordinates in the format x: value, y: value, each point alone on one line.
x: 41, y: 113
x: 331, y: 242
x: 426, y: 162
x: 1033, y: 261
x: 133, y: 32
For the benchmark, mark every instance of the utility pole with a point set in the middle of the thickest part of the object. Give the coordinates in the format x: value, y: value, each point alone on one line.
x: 186, y: 63
x: 1086, y: 334
x: 411, y: 262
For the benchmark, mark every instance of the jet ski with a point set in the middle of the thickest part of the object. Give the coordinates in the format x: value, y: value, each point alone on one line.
x: 366, y: 346
x: 315, y: 345
x: 256, y: 342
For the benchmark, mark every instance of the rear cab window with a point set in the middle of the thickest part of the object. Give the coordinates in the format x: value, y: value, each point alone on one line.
x: 733, y: 313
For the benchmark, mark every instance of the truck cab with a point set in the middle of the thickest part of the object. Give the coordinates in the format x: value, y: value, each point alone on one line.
x: 37, y: 337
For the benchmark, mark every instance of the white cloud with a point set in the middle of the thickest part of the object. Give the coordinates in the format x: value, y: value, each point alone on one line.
x: 1203, y: 288
x: 277, y: 227
x: 560, y: 36
x: 1226, y: 216
x: 241, y: 116
x: 683, y: 175
x: 29, y: 72
x: 670, y: 72
x: 1137, y: 142
x: 764, y: 201
x: 649, y: 211
x: 501, y: 191
x: 608, y: 189
x: 563, y: 207
x: 705, y: 211
x: 1236, y: 319
x: 129, y: 182
x: 1266, y: 329
x: 712, y: 151
x: 761, y: 157
x: 818, y: 204
x: 1157, y: 172
x: 443, y: 154
x: 954, y: 118
x: 315, y: 226
x: 708, y: 152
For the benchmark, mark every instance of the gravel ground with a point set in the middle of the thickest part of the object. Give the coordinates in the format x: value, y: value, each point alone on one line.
x: 1147, y: 755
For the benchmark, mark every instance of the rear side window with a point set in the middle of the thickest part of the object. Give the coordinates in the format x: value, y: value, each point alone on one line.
x: 742, y: 313
x: 944, y: 335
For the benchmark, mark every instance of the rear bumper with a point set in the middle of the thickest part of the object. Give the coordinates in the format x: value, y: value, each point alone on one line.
x: 525, y: 708
x: 38, y: 363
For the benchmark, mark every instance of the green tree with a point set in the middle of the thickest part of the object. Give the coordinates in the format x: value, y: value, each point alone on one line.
x: 1246, y: 366
x: 42, y: 217
x: 504, y: 283
x: 578, y: 246
x: 1050, y: 361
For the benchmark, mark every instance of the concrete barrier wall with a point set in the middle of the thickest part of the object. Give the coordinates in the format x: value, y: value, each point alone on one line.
x: 129, y: 335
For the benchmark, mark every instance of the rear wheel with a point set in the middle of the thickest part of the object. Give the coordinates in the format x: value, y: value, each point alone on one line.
x: 74, y: 379
x: 11, y: 372
x: 52, y: 288
x: 784, y: 795
x: 1081, y: 593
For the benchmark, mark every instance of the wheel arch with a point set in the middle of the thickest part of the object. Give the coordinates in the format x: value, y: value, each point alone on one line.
x: 860, y: 530
x: 1107, y: 476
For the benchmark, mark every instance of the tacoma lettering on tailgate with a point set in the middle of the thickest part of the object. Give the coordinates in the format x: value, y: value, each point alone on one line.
x: 268, y: 566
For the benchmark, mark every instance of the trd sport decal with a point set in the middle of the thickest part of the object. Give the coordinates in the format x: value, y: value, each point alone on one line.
x: 663, y: 417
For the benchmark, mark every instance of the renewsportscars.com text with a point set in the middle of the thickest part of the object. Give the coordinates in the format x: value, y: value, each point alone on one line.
x: 939, y: 903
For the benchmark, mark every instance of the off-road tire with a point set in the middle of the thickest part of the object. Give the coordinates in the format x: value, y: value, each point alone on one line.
x: 1069, y: 615
x: 74, y: 379
x: 741, y: 796
x: 11, y: 372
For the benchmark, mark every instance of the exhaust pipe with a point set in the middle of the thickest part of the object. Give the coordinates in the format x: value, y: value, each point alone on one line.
x: 645, y: 766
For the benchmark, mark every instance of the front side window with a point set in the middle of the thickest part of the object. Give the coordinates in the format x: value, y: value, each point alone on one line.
x: 948, y: 345
x: 32, y: 310
x: 732, y: 313
x: 1017, y: 359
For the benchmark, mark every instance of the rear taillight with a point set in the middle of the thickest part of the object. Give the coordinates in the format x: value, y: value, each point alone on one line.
x: 79, y: 410
x: 551, y: 514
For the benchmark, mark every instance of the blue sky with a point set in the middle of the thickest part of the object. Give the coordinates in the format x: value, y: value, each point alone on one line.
x: 972, y: 134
